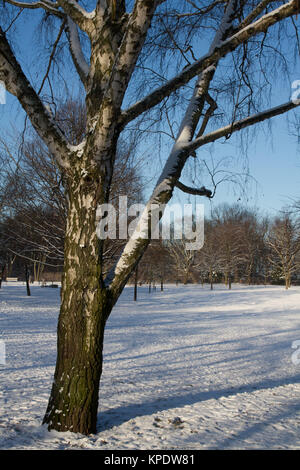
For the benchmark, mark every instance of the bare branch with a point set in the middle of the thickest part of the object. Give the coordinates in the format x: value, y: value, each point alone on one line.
x: 51, y: 7
x: 52, y: 56
x: 17, y: 84
x: 226, y: 131
x: 115, y: 86
x: 79, y: 60
x: 164, y: 190
x: 255, y: 13
x: 68, y: 7
x: 201, y: 11
x: 221, y: 49
x: 195, y: 191
x: 209, y: 112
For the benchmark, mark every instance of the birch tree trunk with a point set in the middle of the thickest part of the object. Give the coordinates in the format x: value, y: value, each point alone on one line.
x: 85, y: 306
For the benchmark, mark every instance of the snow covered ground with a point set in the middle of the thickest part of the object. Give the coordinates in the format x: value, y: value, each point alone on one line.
x: 186, y: 368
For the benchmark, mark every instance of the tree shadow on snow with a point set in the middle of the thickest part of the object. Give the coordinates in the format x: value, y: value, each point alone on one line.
x: 117, y: 416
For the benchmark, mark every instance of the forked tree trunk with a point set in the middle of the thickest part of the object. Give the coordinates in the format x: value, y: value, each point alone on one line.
x: 85, y: 307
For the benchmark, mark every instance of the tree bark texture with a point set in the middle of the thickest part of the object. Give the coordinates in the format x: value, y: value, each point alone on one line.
x: 85, y: 307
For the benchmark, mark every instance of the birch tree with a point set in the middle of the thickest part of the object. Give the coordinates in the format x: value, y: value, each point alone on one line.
x: 117, y: 32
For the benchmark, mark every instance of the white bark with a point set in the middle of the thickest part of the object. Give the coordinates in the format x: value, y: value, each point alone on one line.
x: 78, y: 57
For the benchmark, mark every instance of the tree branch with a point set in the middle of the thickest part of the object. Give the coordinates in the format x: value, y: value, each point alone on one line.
x: 69, y: 7
x: 78, y: 14
x: 208, y: 114
x: 173, y: 167
x: 51, y: 7
x: 131, y: 45
x: 226, y: 131
x: 17, y: 84
x: 119, y: 76
x: 220, y: 50
x: 195, y: 191
x: 255, y: 13
x: 51, y: 58
x: 79, y: 60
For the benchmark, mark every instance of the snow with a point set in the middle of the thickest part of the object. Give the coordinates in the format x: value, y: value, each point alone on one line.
x: 76, y: 48
x: 186, y: 368
x: 75, y: 6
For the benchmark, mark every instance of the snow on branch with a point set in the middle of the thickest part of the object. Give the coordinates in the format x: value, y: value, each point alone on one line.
x: 226, y: 131
x: 221, y: 49
x: 18, y: 85
x: 51, y: 7
x: 79, y: 60
x: 200, y: 95
x: 255, y: 13
x: 60, y: 8
x: 77, y: 13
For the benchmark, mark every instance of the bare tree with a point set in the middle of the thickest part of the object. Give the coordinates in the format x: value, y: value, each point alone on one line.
x: 121, y: 47
x: 229, y: 239
x: 252, y: 245
x: 284, y: 243
x: 183, y: 258
x: 155, y: 265
x: 209, y: 257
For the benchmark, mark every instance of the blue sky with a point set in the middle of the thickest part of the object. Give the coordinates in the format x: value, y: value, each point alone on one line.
x: 274, y: 160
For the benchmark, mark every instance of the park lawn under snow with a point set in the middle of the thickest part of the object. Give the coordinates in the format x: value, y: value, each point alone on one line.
x: 186, y: 368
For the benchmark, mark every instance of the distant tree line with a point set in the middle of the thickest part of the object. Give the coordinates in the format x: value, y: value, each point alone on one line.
x: 240, y: 246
